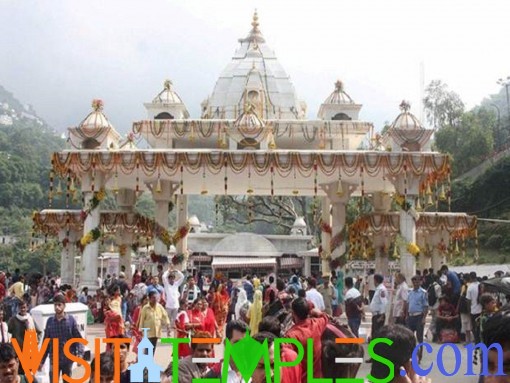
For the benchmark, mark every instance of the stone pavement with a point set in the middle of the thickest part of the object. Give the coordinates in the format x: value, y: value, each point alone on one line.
x: 163, y: 357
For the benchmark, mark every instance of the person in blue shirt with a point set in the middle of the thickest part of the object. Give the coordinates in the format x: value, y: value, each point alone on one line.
x: 416, y: 309
x: 453, y: 279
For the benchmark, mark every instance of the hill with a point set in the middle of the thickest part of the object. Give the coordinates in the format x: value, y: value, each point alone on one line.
x: 487, y: 197
x: 26, y: 145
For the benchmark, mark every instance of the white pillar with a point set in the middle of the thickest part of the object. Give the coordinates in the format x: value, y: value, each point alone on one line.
x: 126, y: 200
x: 438, y: 258
x: 307, y: 269
x: 162, y: 198
x: 182, y: 220
x: 381, y: 202
x: 125, y: 238
x: 67, y: 268
x: 408, y: 232
x: 382, y: 261
x: 89, y: 264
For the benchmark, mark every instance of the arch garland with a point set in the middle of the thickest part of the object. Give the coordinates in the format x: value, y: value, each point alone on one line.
x: 50, y: 223
x: 203, y: 129
x: 435, y: 168
x: 458, y: 226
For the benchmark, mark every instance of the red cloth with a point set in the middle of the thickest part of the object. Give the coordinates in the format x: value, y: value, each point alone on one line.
x: 290, y: 374
x: 210, y: 322
x: 180, y: 326
x: 310, y: 328
x: 196, y: 316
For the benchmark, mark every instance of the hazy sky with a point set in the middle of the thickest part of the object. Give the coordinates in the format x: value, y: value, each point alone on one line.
x: 60, y: 54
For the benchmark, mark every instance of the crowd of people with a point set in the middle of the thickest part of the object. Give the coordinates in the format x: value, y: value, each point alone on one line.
x: 267, y: 307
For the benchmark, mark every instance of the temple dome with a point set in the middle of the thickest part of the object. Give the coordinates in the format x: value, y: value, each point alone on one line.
x: 407, y: 133
x: 254, y: 70
x: 339, y: 96
x: 167, y: 105
x: 245, y: 243
x: 96, y: 119
x: 167, y: 95
x: 95, y: 131
x: 339, y: 105
x: 406, y: 120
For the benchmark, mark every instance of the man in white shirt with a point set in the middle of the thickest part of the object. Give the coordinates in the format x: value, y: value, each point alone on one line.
x: 400, y: 299
x: 172, y: 280
x: 191, y: 291
x: 314, y: 296
x: 476, y: 307
x: 378, y: 305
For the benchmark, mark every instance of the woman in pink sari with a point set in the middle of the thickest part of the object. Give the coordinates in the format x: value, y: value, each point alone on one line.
x: 220, y: 308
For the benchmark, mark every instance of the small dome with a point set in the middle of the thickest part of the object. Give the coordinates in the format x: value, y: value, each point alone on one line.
x: 339, y: 96
x: 299, y: 223
x: 193, y: 221
x: 406, y: 120
x: 167, y: 95
x: 96, y: 119
x: 245, y: 243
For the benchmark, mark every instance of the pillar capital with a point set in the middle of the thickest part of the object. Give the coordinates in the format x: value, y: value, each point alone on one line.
x: 89, y: 179
x: 407, y: 184
x: 339, y: 191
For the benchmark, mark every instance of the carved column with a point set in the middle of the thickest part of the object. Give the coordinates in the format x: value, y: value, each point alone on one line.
x: 325, y: 236
x: 182, y: 219
x: 89, y: 264
x: 126, y: 200
x: 67, y: 262
x: 162, y: 198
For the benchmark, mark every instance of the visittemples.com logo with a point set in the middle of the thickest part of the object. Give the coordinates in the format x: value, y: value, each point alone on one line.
x: 246, y: 355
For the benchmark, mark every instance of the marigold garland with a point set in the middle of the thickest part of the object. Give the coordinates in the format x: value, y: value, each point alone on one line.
x: 413, y: 248
x: 93, y: 203
x: 88, y: 238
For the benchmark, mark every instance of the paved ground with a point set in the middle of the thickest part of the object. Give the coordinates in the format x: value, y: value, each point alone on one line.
x: 163, y: 356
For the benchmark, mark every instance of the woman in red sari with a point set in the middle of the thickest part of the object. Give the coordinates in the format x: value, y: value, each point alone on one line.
x: 210, y: 324
x: 114, y: 324
x: 183, y: 328
x: 220, y: 308
x: 135, y: 332
x: 196, y: 316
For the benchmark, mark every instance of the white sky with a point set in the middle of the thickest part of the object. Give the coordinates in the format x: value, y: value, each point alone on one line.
x: 59, y: 54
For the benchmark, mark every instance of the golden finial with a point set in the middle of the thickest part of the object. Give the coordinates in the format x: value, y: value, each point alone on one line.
x: 97, y: 105
x: 255, y: 21
x: 405, y: 106
x: 339, y: 86
x: 167, y: 84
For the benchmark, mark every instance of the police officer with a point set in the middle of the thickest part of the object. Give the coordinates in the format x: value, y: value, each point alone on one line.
x: 417, y: 307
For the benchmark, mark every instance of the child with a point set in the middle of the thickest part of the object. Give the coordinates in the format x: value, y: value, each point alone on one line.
x: 489, y: 308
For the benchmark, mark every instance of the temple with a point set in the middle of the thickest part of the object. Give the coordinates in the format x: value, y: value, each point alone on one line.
x: 253, y: 138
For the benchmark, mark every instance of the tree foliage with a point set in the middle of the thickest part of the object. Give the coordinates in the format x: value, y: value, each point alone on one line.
x: 443, y: 107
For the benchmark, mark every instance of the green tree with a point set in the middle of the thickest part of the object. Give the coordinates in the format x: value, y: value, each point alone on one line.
x: 443, y: 107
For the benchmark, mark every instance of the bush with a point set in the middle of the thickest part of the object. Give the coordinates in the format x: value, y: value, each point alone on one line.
x: 494, y: 241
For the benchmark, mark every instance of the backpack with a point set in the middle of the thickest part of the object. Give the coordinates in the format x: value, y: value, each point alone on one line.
x: 431, y: 294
